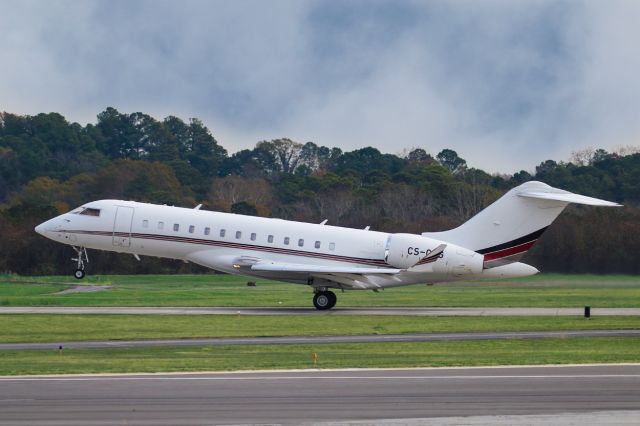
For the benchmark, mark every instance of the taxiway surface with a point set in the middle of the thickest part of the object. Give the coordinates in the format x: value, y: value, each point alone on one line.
x: 71, y: 310
x: 319, y: 396
x: 301, y: 340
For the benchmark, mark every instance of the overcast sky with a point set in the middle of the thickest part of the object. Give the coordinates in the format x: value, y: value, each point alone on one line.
x: 507, y: 84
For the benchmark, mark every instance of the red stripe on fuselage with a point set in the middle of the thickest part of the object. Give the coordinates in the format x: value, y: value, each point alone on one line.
x: 509, y: 251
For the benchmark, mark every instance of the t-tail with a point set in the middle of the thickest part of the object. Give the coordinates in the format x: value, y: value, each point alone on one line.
x: 504, y: 231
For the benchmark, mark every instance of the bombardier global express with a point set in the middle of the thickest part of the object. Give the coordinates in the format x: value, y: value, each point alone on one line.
x: 321, y: 256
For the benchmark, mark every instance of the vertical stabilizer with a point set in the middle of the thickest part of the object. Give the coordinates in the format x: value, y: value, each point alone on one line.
x: 509, y: 227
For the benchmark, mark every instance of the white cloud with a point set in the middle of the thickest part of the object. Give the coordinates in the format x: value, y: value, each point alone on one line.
x: 506, y: 84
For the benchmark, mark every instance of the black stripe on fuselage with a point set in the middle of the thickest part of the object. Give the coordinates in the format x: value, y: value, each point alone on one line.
x: 518, y: 241
x: 228, y: 244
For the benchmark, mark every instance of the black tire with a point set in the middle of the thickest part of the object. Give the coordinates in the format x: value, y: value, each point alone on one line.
x: 324, y: 300
x: 78, y: 274
x: 333, y: 298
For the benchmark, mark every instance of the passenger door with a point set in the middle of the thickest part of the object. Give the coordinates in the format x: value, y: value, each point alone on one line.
x: 122, y: 226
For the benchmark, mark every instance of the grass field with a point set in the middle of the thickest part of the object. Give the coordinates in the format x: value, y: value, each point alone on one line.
x: 434, y: 354
x: 61, y: 328
x: 224, y: 290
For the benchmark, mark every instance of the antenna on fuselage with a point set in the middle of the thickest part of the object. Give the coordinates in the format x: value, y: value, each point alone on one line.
x: 197, y: 207
x: 324, y: 222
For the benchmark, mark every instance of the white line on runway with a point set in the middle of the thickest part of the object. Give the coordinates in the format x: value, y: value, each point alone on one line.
x: 321, y: 370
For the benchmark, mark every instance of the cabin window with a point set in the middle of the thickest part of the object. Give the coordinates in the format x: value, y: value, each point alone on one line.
x: 270, y: 239
x: 238, y: 235
x: 160, y: 225
x: 286, y: 241
x: 317, y: 244
x: 253, y: 236
x: 176, y: 227
x: 301, y: 242
x: 145, y: 223
x: 332, y: 246
x: 88, y: 211
x: 222, y: 232
x: 207, y: 231
x: 191, y: 229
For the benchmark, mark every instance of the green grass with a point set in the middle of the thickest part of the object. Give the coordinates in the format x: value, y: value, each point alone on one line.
x: 61, y: 328
x: 435, y: 354
x: 223, y: 290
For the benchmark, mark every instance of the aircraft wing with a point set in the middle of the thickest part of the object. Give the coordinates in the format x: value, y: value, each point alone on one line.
x: 294, y: 267
x: 345, y: 276
x: 350, y: 277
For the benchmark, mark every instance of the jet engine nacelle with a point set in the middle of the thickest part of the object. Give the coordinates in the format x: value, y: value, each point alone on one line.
x: 459, y: 261
x: 405, y: 251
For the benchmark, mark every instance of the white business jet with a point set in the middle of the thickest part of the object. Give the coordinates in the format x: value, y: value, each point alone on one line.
x: 323, y: 257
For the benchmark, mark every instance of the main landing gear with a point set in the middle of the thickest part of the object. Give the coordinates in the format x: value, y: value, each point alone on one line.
x: 81, y: 258
x: 324, y: 299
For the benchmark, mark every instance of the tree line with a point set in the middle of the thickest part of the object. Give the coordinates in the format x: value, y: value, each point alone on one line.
x: 49, y: 165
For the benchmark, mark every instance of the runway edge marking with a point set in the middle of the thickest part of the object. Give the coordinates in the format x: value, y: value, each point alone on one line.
x: 314, y: 370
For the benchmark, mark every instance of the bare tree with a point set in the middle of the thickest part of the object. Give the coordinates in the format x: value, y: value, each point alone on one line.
x: 232, y: 189
x: 582, y: 157
x: 286, y: 153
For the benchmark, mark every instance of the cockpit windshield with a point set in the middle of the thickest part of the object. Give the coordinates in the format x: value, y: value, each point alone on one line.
x: 86, y: 211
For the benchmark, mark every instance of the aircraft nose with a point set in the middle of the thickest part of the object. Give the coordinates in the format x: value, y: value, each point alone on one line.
x: 46, y: 227
x: 40, y: 229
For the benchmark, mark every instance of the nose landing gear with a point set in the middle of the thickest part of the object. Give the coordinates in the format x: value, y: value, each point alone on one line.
x: 324, y: 300
x: 81, y: 258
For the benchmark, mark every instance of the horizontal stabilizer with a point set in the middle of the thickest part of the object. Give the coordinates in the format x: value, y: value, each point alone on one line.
x: 568, y: 197
x: 292, y: 267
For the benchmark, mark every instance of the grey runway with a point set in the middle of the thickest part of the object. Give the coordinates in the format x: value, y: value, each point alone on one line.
x: 368, y: 338
x: 73, y: 310
x: 322, y: 396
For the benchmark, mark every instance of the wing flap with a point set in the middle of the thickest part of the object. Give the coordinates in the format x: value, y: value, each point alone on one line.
x: 292, y: 267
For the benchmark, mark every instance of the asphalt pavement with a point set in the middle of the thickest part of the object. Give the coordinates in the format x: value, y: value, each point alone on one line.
x: 291, y: 340
x: 603, y: 394
x: 73, y: 310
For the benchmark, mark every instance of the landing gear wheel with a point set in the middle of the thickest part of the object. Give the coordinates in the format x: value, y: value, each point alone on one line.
x: 80, y: 260
x: 324, y: 300
x: 333, y: 298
